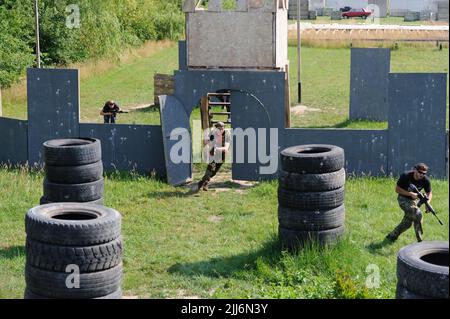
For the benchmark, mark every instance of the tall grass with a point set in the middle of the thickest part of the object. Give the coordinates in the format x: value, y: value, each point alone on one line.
x: 368, y: 38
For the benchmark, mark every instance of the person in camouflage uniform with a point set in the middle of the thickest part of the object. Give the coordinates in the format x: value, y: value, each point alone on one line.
x: 219, y: 142
x: 408, y: 201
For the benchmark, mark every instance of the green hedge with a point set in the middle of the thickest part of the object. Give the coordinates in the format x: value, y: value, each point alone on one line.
x: 106, y: 28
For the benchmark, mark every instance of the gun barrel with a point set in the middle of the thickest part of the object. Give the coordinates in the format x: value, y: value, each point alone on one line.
x: 423, y: 199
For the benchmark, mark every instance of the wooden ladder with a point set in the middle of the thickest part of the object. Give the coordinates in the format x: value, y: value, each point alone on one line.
x: 207, y: 113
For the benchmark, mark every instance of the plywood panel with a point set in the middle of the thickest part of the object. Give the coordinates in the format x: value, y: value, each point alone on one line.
x: 53, y: 108
x: 129, y: 147
x: 369, y: 84
x: 230, y: 39
x: 417, y: 115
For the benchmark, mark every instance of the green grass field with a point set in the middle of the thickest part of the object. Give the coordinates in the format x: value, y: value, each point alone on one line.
x: 325, y: 79
x: 223, y: 244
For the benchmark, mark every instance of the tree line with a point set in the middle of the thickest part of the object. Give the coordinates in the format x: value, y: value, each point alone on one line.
x: 77, y: 30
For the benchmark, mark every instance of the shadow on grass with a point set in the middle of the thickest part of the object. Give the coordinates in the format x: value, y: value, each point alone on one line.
x: 227, y: 266
x: 12, y: 252
x: 191, y: 189
x: 375, y: 247
x: 230, y: 185
x: 172, y: 194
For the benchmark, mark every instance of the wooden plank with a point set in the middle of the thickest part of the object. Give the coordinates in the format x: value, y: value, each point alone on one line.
x: 204, y: 112
x: 163, y: 85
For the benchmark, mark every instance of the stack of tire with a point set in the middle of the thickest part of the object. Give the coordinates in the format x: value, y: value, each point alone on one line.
x: 311, y: 195
x: 422, y: 271
x: 73, y: 251
x: 73, y: 171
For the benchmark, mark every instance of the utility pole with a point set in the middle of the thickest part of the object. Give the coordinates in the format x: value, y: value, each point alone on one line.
x: 38, y: 49
x: 299, y: 53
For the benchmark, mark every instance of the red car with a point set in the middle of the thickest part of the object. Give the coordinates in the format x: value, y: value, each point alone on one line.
x: 355, y: 13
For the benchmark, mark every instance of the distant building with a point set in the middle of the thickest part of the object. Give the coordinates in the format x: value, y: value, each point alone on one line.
x: 401, y: 7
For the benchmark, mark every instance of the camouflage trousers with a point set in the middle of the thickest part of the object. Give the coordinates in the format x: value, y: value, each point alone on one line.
x: 211, y: 171
x: 413, y: 215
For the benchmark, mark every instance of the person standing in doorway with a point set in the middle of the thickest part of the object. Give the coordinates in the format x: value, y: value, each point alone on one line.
x: 219, y: 144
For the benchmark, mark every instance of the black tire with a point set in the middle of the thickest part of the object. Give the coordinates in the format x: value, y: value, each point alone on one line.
x: 44, y: 201
x: 293, y: 239
x: 44, y: 224
x: 92, y: 285
x: 311, y: 200
x: 311, y: 220
x: 74, y: 174
x: 88, y: 258
x: 115, y: 295
x: 312, y: 182
x: 403, y: 293
x: 421, y: 277
x: 72, y: 152
x: 86, y: 192
x: 312, y: 159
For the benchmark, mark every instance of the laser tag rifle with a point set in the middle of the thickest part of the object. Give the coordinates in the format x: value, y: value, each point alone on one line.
x: 118, y: 112
x: 423, y: 199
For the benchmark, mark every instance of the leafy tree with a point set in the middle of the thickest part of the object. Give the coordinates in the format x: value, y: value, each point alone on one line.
x: 106, y: 28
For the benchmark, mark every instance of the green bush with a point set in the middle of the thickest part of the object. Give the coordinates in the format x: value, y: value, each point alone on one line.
x: 346, y: 288
x: 106, y: 28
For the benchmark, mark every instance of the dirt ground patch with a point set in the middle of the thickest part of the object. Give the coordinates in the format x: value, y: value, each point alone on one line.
x: 139, y: 107
x: 302, y: 109
x: 215, y: 219
x: 222, y: 182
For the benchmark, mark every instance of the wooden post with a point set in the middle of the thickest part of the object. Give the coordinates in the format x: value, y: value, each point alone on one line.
x: 204, y: 113
x: 299, y: 54
x: 287, y: 99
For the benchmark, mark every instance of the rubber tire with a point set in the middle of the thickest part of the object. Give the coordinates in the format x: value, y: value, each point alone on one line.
x: 311, y: 220
x: 72, y: 152
x: 403, y: 293
x: 39, y: 226
x: 293, y: 239
x: 74, y: 174
x: 86, y: 192
x: 87, y: 258
x: 420, y: 277
x: 92, y: 285
x: 31, y: 295
x: 312, y: 182
x: 44, y: 201
x: 312, y: 163
x: 311, y: 200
